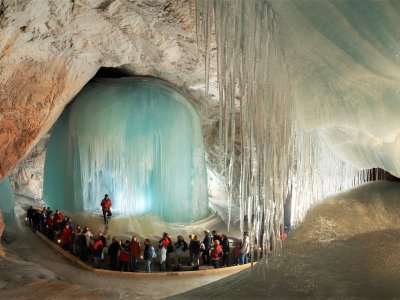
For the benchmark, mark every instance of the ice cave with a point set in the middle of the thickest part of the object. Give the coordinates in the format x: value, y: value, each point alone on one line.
x: 261, y: 116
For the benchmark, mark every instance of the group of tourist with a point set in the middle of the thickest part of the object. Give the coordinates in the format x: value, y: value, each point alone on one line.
x: 213, y: 249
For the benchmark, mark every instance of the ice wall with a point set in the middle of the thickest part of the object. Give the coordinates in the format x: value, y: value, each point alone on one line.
x: 137, y: 140
x: 7, y: 202
x: 344, y: 63
x: 278, y: 161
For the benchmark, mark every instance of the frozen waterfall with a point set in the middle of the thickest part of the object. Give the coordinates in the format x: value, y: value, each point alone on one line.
x: 139, y: 141
x: 277, y: 161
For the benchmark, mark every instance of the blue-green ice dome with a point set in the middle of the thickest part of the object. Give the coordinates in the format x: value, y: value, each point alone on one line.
x: 138, y: 140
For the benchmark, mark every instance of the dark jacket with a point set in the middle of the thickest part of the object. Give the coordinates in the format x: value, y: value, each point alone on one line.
x: 194, y: 246
x: 103, y: 240
x: 180, y: 245
x: 147, y: 253
x: 225, y: 245
x: 113, y: 249
x: 30, y: 213
x: 207, y: 242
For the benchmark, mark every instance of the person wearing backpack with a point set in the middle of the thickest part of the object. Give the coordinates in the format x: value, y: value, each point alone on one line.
x: 180, y: 247
x: 148, y: 255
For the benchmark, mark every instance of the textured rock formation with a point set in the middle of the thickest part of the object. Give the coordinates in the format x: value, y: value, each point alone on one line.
x: 49, y: 50
x: 27, y: 177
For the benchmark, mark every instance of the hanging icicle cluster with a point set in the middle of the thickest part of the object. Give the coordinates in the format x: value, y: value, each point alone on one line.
x: 259, y: 136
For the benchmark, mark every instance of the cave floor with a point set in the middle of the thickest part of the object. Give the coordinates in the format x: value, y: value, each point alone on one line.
x: 346, y: 248
x: 358, y: 268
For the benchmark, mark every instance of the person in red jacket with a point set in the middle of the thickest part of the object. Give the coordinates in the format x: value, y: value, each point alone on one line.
x: 57, y: 220
x: 65, y: 237
x: 97, y: 251
x: 124, y: 256
x: 134, y: 253
x: 106, y: 208
x: 216, y: 253
x: 236, y: 253
x: 167, y: 243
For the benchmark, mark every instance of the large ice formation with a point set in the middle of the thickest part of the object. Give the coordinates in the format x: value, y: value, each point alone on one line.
x: 277, y: 86
x: 344, y: 63
x: 7, y: 202
x: 139, y: 141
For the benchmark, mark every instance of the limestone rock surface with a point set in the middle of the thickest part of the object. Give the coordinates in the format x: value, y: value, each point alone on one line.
x: 50, y: 49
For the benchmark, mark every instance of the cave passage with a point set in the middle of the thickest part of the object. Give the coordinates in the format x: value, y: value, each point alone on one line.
x: 136, y: 139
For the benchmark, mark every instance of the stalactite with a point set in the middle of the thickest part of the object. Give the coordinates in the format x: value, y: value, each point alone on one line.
x: 277, y: 159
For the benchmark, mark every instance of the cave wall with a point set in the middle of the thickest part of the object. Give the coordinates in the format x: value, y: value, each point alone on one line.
x: 27, y: 176
x: 50, y: 50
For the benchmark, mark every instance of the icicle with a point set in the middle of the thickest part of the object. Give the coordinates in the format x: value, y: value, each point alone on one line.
x: 277, y: 159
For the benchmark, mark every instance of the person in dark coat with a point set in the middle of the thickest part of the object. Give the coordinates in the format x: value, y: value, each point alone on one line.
x: 216, y: 237
x: 194, y: 247
x: 43, y: 220
x: 36, y: 220
x: 29, y: 215
x: 148, y: 255
x: 207, y: 246
x: 225, y: 251
x: 113, y: 253
x: 180, y: 248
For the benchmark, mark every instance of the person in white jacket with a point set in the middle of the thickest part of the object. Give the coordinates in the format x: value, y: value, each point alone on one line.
x: 244, y: 251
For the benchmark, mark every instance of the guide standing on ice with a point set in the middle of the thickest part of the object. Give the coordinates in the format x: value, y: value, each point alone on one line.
x: 106, y: 207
